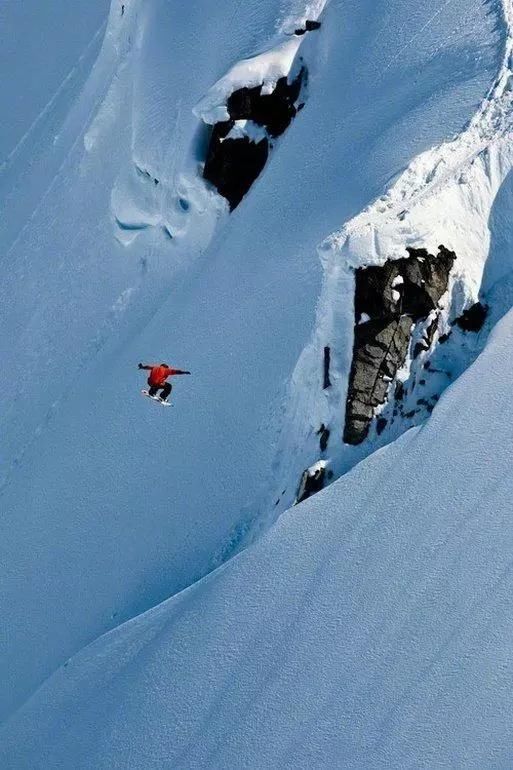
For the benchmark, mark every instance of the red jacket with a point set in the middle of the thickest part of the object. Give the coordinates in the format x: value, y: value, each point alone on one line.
x: 159, y: 374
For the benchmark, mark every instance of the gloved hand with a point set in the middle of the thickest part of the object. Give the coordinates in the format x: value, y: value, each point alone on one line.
x: 186, y: 372
x: 139, y: 366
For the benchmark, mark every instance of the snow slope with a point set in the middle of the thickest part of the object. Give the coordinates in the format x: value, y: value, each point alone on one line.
x: 457, y: 194
x: 371, y: 627
x: 110, y: 504
x: 38, y: 76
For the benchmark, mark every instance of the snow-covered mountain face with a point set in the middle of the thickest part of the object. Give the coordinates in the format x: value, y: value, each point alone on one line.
x: 188, y: 205
x: 370, y: 628
x: 425, y: 266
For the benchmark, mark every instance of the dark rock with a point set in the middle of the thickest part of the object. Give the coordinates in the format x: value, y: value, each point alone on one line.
x: 395, y: 296
x: 312, y: 481
x: 310, y: 26
x: 379, y: 349
x: 419, y: 348
x: 232, y: 165
x: 427, y: 340
x: 473, y: 318
x: 444, y: 337
x: 324, y: 434
x: 424, y: 282
x: 381, y: 424
x: 274, y: 111
x: 429, y: 333
x: 411, y: 414
x: 326, y: 379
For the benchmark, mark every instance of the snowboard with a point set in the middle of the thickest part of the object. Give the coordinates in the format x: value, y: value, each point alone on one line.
x: 156, y: 398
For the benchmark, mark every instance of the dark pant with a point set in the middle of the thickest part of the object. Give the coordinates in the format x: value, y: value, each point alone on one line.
x: 166, y: 390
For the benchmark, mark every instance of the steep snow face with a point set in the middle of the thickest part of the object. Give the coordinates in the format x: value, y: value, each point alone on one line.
x: 39, y: 80
x: 117, y: 252
x: 370, y: 628
x: 388, y: 369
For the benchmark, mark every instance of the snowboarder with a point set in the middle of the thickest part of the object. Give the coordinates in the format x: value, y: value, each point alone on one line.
x: 157, y: 380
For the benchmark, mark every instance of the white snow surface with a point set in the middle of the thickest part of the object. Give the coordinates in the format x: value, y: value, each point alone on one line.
x: 457, y: 194
x: 369, y: 626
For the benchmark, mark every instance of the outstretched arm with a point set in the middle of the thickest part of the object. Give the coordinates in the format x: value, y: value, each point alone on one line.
x: 177, y: 371
x: 146, y: 366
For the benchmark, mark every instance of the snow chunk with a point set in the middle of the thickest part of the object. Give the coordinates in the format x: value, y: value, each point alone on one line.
x: 246, y: 129
x: 265, y: 69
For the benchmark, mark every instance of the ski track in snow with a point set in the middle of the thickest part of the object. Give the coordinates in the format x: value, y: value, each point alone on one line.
x: 249, y: 72
x: 416, y: 36
x: 13, y: 154
x: 101, y: 337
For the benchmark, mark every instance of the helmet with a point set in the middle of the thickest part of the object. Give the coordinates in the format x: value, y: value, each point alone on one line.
x: 167, y: 367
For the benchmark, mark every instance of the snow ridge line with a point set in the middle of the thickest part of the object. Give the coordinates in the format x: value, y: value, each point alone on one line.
x: 493, y: 118
x: 264, y: 68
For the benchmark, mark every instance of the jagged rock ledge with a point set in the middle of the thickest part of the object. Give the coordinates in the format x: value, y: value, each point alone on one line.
x: 239, y: 147
x: 312, y: 481
x: 389, y: 301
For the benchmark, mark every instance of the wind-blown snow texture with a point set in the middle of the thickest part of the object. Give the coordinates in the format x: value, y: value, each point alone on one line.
x: 335, y: 640
x: 371, y: 627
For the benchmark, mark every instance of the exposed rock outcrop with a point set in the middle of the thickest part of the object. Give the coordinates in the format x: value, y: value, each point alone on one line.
x: 273, y: 111
x: 473, y: 318
x: 232, y: 165
x: 389, y: 301
x: 235, y: 158
x: 312, y: 481
x: 310, y: 26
